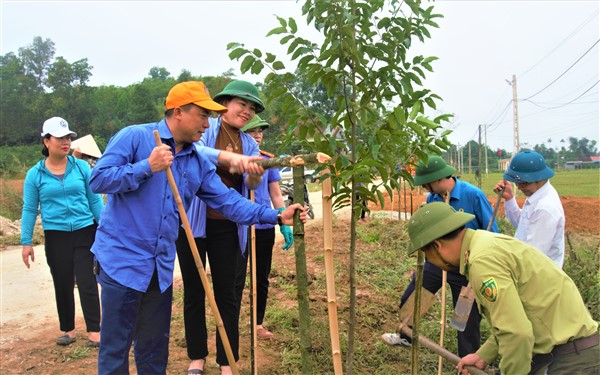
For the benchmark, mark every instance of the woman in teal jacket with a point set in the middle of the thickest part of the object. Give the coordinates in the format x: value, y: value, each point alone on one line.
x: 59, y: 186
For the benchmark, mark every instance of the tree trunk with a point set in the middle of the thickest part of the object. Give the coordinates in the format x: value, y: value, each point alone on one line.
x: 301, y: 277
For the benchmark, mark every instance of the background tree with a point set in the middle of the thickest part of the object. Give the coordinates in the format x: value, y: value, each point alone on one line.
x: 364, y: 67
x: 21, y: 99
x: 36, y: 59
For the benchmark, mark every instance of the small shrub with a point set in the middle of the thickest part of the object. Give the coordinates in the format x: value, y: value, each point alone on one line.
x: 582, y: 257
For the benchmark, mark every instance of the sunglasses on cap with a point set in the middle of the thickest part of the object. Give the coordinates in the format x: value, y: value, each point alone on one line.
x: 518, y: 180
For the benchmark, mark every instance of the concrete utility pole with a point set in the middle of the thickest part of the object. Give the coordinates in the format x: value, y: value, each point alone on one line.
x: 516, y: 146
x: 486, y: 150
x: 479, y: 160
x: 470, y: 171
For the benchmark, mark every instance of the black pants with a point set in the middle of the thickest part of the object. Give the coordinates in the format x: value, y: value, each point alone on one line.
x: 265, y: 239
x: 469, y: 340
x: 69, y: 257
x: 222, y: 247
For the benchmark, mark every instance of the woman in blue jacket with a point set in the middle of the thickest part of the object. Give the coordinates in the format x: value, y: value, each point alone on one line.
x: 59, y: 186
x: 221, y: 240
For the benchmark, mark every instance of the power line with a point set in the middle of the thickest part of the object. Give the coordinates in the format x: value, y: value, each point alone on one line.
x: 563, y: 73
x: 562, y: 105
x: 577, y: 29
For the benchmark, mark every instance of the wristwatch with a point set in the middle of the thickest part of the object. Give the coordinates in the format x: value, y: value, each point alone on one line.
x: 279, y: 219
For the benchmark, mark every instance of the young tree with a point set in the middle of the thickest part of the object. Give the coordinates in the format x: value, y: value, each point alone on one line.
x: 364, y: 65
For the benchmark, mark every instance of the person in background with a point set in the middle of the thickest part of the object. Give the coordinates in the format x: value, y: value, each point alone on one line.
x: 135, y: 242
x: 541, y: 221
x: 267, y: 193
x: 222, y: 239
x: 436, y: 177
x: 539, y: 321
x: 59, y: 186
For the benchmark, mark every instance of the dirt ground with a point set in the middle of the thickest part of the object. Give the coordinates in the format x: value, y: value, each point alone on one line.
x: 27, y: 341
x: 582, y: 214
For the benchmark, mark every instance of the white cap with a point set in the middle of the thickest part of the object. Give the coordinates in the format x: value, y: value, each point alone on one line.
x: 57, y: 127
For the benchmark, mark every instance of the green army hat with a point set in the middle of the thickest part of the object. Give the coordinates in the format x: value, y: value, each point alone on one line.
x: 241, y: 89
x: 432, y: 221
x: 435, y: 169
x: 256, y: 122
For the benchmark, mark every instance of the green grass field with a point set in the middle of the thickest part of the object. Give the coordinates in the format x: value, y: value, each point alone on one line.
x: 578, y: 183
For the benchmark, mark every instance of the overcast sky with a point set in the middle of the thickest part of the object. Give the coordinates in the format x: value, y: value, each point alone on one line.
x: 551, y: 46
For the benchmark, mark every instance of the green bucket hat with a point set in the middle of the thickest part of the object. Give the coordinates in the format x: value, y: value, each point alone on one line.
x: 435, y: 169
x: 432, y: 221
x: 244, y: 90
x: 256, y: 122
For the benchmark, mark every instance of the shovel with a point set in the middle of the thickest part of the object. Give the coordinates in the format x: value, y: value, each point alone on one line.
x: 463, y: 307
x: 406, y: 318
x: 407, y: 310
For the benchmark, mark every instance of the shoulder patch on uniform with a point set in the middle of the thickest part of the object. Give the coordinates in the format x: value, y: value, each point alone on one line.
x: 266, y: 153
x: 489, y: 290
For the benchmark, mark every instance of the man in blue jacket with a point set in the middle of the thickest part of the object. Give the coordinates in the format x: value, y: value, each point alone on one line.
x: 436, y: 177
x: 135, y: 242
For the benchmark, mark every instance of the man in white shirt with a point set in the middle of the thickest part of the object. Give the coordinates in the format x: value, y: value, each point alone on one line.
x: 541, y: 221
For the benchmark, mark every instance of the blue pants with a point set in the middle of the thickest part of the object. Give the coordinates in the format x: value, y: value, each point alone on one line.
x: 133, y: 316
x: 469, y: 340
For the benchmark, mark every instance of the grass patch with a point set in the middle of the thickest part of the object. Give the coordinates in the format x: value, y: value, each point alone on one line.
x: 587, y: 182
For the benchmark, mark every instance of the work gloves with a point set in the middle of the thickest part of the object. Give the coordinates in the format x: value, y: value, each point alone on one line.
x: 286, y: 231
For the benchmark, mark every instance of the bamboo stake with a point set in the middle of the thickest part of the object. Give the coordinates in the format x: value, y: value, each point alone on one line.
x: 443, y: 317
x: 415, y: 332
x: 253, y: 317
x: 334, y: 331
x: 199, y: 265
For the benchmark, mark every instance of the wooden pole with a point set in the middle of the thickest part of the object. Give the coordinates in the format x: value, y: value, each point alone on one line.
x: 294, y: 161
x: 334, y: 331
x: 253, y: 314
x: 207, y: 290
x: 301, y: 276
x: 441, y: 351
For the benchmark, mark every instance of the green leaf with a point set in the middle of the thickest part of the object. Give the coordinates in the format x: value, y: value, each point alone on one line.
x: 416, y: 128
x: 293, y: 26
x: 257, y: 67
x: 285, y: 39
x: 237, y: 53
x: 426, y: 122
x: 277, y: 30
x: 278, y: 65
x: 270, y: 58
x: 416, y: 108
x: 247, y: 63
x: 257, y: 52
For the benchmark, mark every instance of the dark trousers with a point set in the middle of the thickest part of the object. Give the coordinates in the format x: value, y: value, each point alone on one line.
x: 469, y: 340
x: 265, y: 239
x: 69, y: 257
x: 138, y: 317
x: 222, y: 247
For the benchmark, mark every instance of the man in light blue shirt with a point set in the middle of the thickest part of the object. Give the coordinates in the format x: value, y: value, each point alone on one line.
x: 135, y: 242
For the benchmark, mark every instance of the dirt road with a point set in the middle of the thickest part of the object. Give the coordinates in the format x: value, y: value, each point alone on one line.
x: 27, y: 303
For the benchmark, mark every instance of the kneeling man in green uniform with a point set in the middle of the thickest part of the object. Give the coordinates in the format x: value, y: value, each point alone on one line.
x: 540, y: 324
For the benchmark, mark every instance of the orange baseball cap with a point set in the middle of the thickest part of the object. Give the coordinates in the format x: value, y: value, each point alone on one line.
x: 192, y: 92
